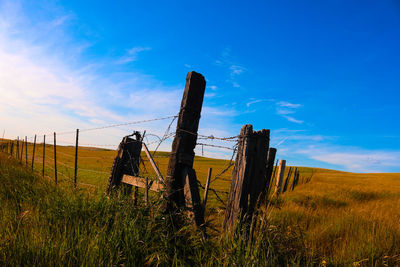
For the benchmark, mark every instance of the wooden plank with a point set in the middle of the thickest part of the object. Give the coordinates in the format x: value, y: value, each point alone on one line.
x: 141, y: 182
x: 153, y: 163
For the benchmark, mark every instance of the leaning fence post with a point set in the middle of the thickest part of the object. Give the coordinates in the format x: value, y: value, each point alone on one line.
x: 33, y: 153
x: 44, y: 153
x: 279, y: 180
x: 248, y: 177
x: 55, y: 158
x: 206, y: 188
x: 76, y: 156
x: 180, y: 173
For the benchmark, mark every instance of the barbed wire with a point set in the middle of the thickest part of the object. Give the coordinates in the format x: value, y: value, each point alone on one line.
x: 117, y: 125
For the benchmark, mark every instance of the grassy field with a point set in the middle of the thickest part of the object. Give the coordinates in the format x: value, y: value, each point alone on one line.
x: 338, y: 218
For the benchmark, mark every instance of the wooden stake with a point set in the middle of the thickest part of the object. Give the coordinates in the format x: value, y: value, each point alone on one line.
x: 76, y: 156
x: 26, y: 151
x: 206, y: 188
x: 270, y: 166
x: 17, y: 152
x: 44, y: 152
x: 279, y: 180
x: 55, y: 158
x: 22, y: 150
x: 33, y: 153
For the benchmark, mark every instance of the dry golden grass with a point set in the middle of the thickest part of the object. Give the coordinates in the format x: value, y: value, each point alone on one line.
x: 341, y: 217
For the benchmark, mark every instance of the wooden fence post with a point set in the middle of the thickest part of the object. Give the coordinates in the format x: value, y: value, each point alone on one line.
x: 17, y: 152
x: 270, y: 167
x: 279, y: 180
x: 248, y: 176
x: 44, y: 153
x: 294, y: 180
x: 126, y: 162
x: 182, y: 154
x: 206, y: 188
x: 12, y: 148
x: 22, y: 150
x: 76, y: 156
x: 285, y: 185
x: 55, y: 158
x: 33, y: 153
x: 26, y: 151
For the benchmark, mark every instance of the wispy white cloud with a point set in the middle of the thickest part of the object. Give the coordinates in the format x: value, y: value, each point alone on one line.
x: 43, y: 92
x: 233, y: 68
x: 285, y: 108
x: 291, y: 119
x: 353, y: 159
x: 132, y: 54
x: 248, y: 104
x: 288, y: 104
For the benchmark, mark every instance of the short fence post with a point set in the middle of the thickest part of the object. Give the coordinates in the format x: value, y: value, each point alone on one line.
x: 12, y: 148
x: 17, y: 152
x: 206, y: 188
x: 248, y: 177
x: 44, y: 153
x: 55, y: 158
x: 22, y: 150
x: 181, y: 178
x: 33, y: 153
x: 26, y: 151
x: 279, y: 180
x: 76, y: 156
x: 294, y: 179
x: 285, y: 185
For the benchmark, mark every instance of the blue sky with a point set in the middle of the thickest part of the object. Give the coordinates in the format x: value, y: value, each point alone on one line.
x: 322, y: 75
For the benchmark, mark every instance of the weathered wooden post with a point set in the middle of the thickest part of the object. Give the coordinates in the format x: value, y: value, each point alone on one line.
x: 26, y: 151
x: 55, y: 158
x: 44, y: 153
x: 279, y: 180
x: 11, y: 148
x: 294, y: 180
x: 76, y: 156
x: 181, y: 178
x: 286, y: 184
x: 126, y: 162
x: 22, y: 150
x: 270, y: 166
x: 248, y: 176
x: 33, y: 153
x: 17, y: 154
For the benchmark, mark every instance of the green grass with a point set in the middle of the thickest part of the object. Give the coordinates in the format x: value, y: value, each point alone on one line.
x: 45, y: 225
x: 338, y: 218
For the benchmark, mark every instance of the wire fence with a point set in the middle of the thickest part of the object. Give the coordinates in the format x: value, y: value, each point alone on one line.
x: 54, y: 157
